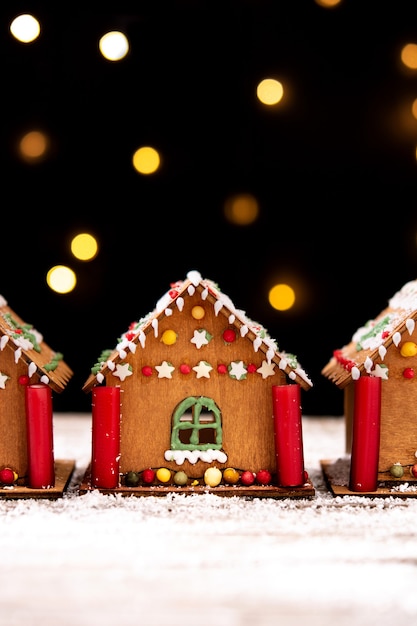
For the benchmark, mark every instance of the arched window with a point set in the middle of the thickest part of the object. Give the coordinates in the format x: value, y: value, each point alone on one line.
x: 197, y: 425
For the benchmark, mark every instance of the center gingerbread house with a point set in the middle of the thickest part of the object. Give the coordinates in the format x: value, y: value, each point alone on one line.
x: 191, y: 390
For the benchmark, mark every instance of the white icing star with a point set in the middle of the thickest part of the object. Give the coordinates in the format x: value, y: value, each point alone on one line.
x: 203, y: 369
x: 3, y: 379
x: 122, y: 371
x: 381, y: 371
x: 164, y: 370
x: 199, y: 338
x: 266, y: 369
x: 237, y: 370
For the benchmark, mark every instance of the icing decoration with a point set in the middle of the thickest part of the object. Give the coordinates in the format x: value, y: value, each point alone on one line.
x: 203, y: 369
x: 396, y: 338
x: 237, y: 370
x: 147, y: 370
x: 31, y: 369
x: 266, y: 369
x: 408, y: 372
x: 196, y: 426
x: 368, y: 364
x: 381, y: 371
x: 24, y: 335
x: 169, y: 337
x: 222, y: 368
x: 409, y: 348
x: 3, y: 341
x: 111, y: 365
x: 3, y: 379
x: 123, y: 370
x: 382, y: 352
x: 251, y: 368
x: 185, y: 368
x: 23, y: 380
x: 165, y: 370
x: 198, y: 312
x: 229, y: 335
x: 410, y: 325
x: 370, y: 335
x: 201, y: 338
x: 355, y: 373
x: 168, y: 312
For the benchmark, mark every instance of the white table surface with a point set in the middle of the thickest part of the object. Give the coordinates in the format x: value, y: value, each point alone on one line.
x: 199, y: 560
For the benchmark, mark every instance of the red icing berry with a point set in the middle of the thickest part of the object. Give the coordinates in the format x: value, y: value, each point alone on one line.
x: 222, y: 369
x: 408, y: 372
x: 251, y: 368
x: 23, y: 380
x: 129, y: 336
x: 185, y: 368
x: 173, y: 293
x: 147, y: 370
x: 229, y: 335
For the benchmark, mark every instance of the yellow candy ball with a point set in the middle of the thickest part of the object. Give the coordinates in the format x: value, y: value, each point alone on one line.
x: 198, y: 312
x: 409, y: 348
x: 169, y: 337
x: 212, y: 476
x: 163, y: 474
x: 231, y: 475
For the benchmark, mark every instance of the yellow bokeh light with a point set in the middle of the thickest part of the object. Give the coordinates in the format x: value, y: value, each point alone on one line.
x: 146, y: 160
x: 33, y: 146
x: 114, y: 46
x: 61, y: 279
x: 84, y: 247
x: 328, y: 4
x: 242, y: 209
x: 409, y: 56
x: 25, y: 28
x: 270, y: 91
x: 281, y: 297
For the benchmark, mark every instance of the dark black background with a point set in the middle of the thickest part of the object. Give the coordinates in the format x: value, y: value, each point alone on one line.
x: 333, y: 167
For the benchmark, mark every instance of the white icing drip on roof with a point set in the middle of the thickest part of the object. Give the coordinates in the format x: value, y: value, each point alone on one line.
x: 410, y: 324
x: 31, y: 369
x: 396, y: 338
x: 257, y: 343
x: 194, y: 277
x: 382, y: 352
x: 17, y: 354
x: 122, y: 353
x: 191, y: 291
x: 355, y: 373
x: 168, y: 312
x: 218, y: 305
x: 154, y: 325
x: 3, y: 301
x: 232, y: 318
x: 45, y: 379
x: 244, y: 330
x: 180, y: 303
x: 142, y: 338
x: 100, y: 378
x: 3, y: 341
x: 111, y: 365
x: 368, y: 364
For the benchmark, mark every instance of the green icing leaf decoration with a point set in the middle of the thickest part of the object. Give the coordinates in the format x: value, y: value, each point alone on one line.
x: 104, y: 356
x: 373, y: 331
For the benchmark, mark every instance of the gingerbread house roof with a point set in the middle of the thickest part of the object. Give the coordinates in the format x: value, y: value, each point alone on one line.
x: 174, y: 299
x: 29, y: 347
x: 371, y: 341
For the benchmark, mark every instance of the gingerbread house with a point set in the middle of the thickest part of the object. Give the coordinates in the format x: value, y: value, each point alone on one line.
x: 30, y: 372
x: 196, y: 397
x: 377, y: 371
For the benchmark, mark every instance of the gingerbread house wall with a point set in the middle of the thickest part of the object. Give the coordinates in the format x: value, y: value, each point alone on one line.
x: 398, y: 442
x: 148, y: 403
x: 13, y: 439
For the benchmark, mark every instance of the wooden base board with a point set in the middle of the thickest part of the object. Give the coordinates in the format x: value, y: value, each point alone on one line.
x: 63, y: 472
x: 254, y: 491
x: 337, y: 473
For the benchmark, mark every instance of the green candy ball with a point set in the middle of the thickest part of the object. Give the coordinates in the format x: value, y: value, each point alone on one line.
x: 396, y: 470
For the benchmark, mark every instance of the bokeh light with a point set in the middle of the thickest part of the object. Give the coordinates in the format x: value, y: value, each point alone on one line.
x: 281, y: 297
x: 25, y: 28
x: 33, y: 146
x: 242, y: 209
x: 61, y: 279
x: 409, y: 56
x: 114, y: 46
x: 146, y: 160
x: 270, y: 91
x: 84, y: 247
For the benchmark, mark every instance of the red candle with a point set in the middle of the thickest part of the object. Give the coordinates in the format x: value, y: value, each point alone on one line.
x: 39, y: 431
x: 288, y: 435
x: 365, y: 434
x: 106, y: 437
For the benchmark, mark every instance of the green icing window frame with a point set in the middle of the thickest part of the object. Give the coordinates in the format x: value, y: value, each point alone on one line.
x: 196, y: 404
